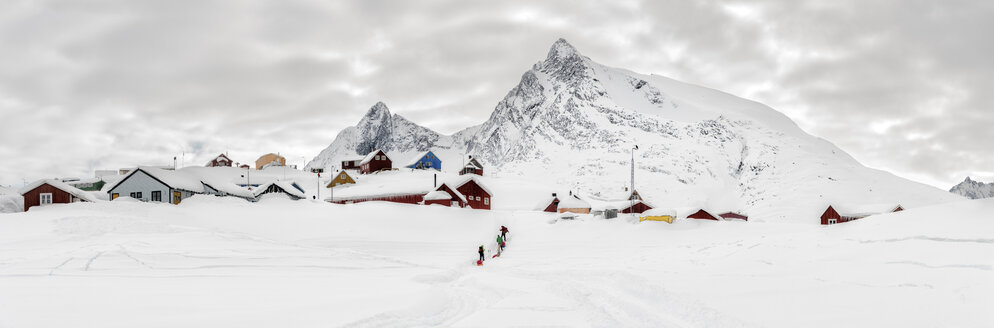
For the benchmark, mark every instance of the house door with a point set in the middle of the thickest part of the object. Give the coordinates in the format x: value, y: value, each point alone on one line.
x: 177, y: 197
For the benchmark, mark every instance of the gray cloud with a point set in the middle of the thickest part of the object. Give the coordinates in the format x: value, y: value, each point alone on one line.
x: 111, y: 83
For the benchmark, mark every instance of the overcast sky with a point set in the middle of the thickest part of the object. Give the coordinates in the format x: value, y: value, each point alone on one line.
x: 903, y: 86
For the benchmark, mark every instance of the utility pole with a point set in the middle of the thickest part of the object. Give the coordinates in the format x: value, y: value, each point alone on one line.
x: 631, y: 199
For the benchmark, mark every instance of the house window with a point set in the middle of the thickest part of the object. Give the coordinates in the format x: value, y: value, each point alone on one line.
x: 139, y: 195
x: 134, y: 195
x: 157, y: 196
x: 486, y: 201
x: 45, y: 199
x: 831, y: 221
x: 429, y: 164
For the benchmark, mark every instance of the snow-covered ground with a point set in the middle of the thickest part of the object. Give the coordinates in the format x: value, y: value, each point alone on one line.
x: 224, y: 262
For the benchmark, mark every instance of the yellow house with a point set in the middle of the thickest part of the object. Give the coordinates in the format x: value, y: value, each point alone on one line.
x: 342, y: 178
x: 270, y: 158
x: 658, y: 215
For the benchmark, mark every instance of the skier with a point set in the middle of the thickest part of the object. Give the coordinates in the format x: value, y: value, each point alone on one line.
x: 500, y: 242
x: 503, y: 232
x: 481, y: 253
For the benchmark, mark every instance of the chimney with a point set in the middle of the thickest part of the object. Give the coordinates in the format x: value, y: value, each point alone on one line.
x: 435, y: 184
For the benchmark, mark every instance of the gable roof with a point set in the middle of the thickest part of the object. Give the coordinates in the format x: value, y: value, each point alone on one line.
x: 464, y: 179
x: 222, y: 156
x: 454, y: 191
x: 473, y: 163
x: 422, y: 156
x: 58, y: 185
x: 573, y: 201
x: 865, y: 210
x: 287, y: 187
x: 172, y: 179
x: 437, y: 195
x: 369, y: 157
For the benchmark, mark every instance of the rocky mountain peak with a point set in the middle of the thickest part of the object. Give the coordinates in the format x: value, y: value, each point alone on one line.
x: 561, y: 49
x: 973, y: 189
x: 565, y: 63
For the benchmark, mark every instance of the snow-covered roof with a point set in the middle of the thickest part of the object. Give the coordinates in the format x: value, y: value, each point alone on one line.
x: 287, y: 187
x: 371, y: 155
x: 455, y: 191
x: 352, y: 159
x: 414, y: 162
x: 572, y: 201
x: 390, y: 183
x: 620, y: 204
x: 61, y: 186
x: 438, y: 195
x: 463, y: 179
x: 230, y: 189
x: 541, y: 206
x: 473, y: 163
x: 174, y: 179
x: 866, y: 210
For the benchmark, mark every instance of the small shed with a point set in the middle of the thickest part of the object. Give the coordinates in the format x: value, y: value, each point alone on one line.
x: 375, y: 161
x: 50, y: 191
x: 340, y: 179
x: 426, y: 161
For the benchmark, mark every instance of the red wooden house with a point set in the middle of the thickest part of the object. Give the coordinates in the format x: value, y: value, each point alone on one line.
x: 550, y: 204
x: 472, y: 167
x: 47, y: 192
x: 405, y: 198
x: 701, y: 214
x: 375, y: 161
x: 220, y: 160
x: 445, y: 195
x: 733, y: 215
x: 833, y: 216
x: 639, y: 207
x: 477, y: 195
x: 351, y: 163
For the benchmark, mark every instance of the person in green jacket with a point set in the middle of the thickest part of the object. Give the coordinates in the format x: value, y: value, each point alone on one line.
x: 500, y: 242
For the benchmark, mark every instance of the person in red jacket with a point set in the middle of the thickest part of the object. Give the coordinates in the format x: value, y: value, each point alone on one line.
x: 503, y: 232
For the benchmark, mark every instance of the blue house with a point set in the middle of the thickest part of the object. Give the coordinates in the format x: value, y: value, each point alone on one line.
x: 428, y: 160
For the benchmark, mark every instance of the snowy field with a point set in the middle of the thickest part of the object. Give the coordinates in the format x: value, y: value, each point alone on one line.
x: 213, y: 262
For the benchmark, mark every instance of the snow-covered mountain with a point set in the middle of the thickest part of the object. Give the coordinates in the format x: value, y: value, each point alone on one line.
x: 394, y: 134
x: 973, y: 189
x: 571, y: 122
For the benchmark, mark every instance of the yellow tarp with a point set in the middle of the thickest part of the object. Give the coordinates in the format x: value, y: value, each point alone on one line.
x: 664, y: 218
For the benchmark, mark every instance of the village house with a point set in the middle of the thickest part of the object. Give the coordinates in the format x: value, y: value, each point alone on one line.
x: 51, y: 191
x: 426, y: 161
x: 574, y: 204
x: 834, y: 214
x: 268, y: 160
x: 156, y: 185
x: 285, y: 188
x: 472, y: 166
x: 375, y: 161
x: 340, y: 179
x: 220, y: 160
x: 351, y: 163
x: 734, y: 216
x: 549, y: 204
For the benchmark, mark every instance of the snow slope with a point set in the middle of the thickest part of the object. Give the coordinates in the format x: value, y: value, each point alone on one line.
x: 224, y: 262
x: 973, y: 189
x: 11, y: 200
x: 573, y: 122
